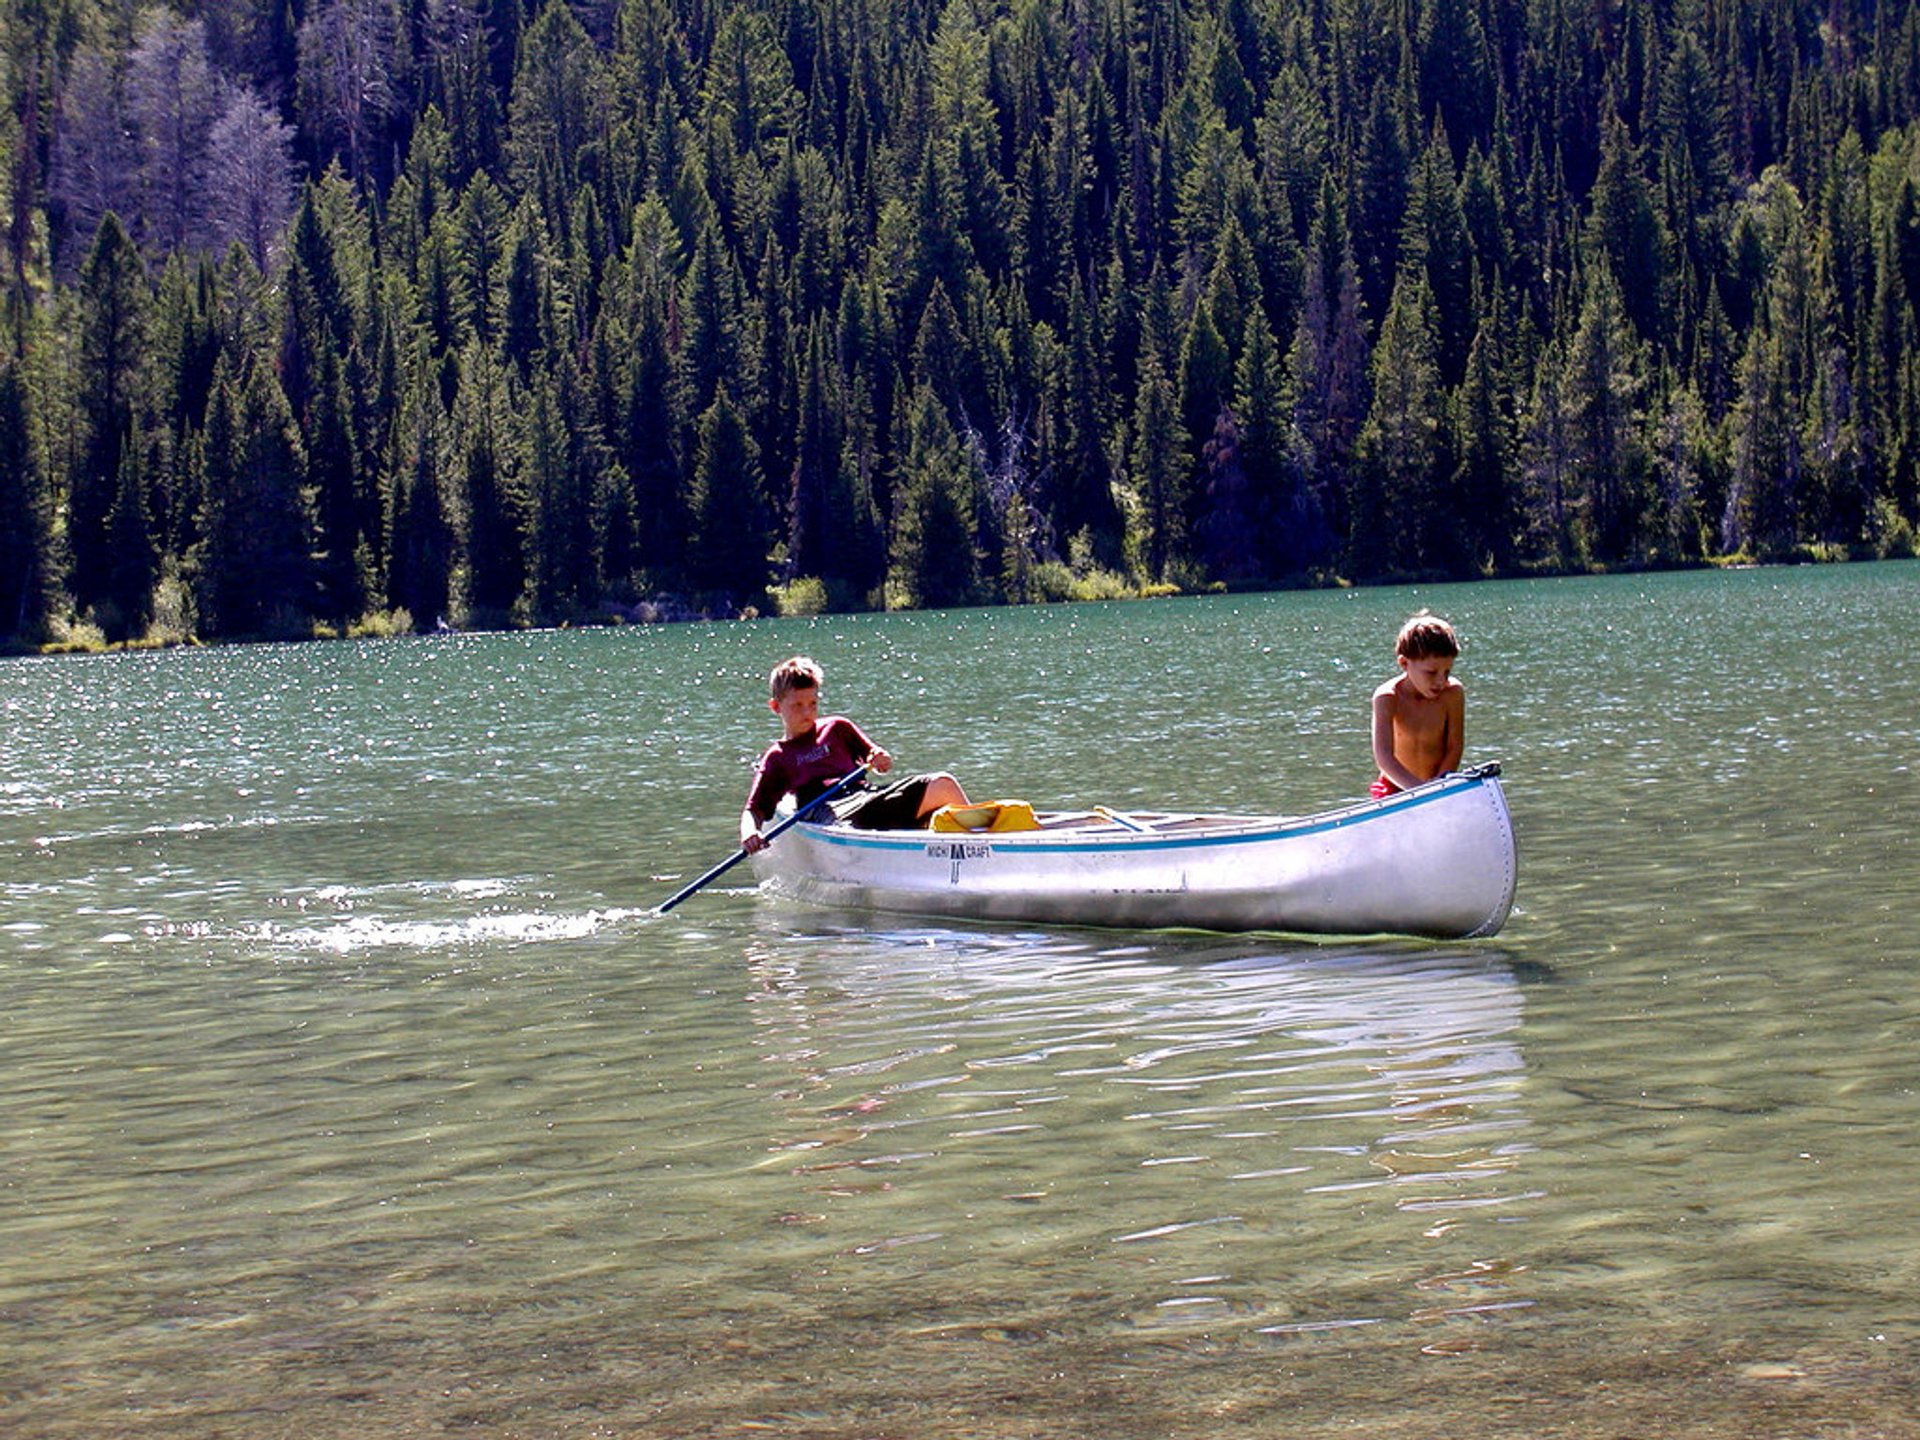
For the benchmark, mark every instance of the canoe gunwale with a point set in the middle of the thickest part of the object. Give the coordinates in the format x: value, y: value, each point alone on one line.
x: 1220, y: 829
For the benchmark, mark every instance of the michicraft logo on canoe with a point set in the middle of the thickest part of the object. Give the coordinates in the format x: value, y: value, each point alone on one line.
x: 956, y: 851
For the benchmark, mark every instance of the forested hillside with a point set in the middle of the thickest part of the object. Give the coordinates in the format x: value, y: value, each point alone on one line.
x: 494, y: 313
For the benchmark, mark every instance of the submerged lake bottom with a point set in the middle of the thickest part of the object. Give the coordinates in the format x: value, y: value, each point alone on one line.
x: 354, y: 1089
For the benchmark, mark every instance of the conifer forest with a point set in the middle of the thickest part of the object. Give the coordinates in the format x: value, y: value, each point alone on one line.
x: 353, y: 316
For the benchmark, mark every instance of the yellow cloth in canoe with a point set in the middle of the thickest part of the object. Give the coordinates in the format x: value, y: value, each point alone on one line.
x: 985, y: 817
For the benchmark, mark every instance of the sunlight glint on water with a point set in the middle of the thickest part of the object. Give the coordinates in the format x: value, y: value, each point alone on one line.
x: 354, y: 1088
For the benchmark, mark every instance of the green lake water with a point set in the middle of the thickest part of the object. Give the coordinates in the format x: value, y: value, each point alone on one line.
x: 351, y: 1089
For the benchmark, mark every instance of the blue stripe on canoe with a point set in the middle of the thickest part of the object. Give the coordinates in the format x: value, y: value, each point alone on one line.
x: 1132, y: 844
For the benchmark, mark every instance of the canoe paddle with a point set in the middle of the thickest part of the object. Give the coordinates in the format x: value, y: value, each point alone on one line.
x: 844, y: 783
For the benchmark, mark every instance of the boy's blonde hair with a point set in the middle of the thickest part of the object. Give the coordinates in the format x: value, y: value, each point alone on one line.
x: 798, y: 672
x: 1427, y: 637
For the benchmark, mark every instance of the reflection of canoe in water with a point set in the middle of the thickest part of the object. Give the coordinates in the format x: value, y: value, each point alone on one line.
x: 1437, y: 860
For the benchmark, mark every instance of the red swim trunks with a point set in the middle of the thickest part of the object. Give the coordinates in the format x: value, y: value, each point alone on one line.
x: 1382, y: 788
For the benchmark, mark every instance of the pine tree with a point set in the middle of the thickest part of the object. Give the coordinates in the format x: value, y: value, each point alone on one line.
x: 333, y: 477
x: 1401, y: 524
x: 185, y: 342
x: 520, y: 288
x: 423, y: 544
x: 1289, y: 533
x: 252, y: 571
x: 732, y: 527
x: 114, y: 304
x: 318, y: 327
x: 563, y: 457
x: 1483, y: 439
x: 1767, y: 463
x: 1605, y: 384
x: 487, y: 475
x: 1328, y: 361
x: 1083, y: 499
x: 646, y: 446
x: 1455, y: 73
x: 27, y: 565
x: 1435, y: 237
x: 933, y: 559
x: 133, y: 556
x: 1626, y: 232
x: 1547, y: 481
x: 813, y: 541
x: 1160, y: 472
x: 1206, y: 377
x: 1682, y: 460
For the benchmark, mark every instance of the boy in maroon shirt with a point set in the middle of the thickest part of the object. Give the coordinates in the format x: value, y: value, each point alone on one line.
x: 814, y: 753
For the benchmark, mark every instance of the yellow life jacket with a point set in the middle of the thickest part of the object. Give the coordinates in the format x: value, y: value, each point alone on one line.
x: 985, y: 817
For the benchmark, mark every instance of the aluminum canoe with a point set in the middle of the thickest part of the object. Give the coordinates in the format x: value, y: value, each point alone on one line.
x: 1438, y: 861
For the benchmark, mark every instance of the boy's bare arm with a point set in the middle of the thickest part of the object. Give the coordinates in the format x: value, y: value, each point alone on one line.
x: 1455, y: 702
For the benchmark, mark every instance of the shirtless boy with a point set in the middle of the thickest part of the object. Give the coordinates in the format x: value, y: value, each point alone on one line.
x: 1419, y: 716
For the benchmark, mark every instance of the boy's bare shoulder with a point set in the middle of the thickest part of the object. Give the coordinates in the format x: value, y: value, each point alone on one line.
x: 1389, y: 688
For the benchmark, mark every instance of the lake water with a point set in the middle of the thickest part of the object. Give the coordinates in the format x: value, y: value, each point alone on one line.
x: 351, y: 1089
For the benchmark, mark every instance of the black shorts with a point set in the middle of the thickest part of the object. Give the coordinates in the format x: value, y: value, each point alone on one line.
x: 885, y: 807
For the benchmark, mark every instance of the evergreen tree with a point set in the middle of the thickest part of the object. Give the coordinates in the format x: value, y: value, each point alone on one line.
x: 1682, y: 460
x: 1401, y: 523
x: 1456, y: 79
x: 1547, y: 481
x: 733, y: 529
x: 1328, y: 362
x: 1627, y: 233
x: 27, y: 565
x: 1084, y: 503
x: 133, y: 556
x: 834, y: 529
x: 1435, y: 237
x: 1289, y: 533
x: 487, y: 476
x: 563, y: 457
x: 334, y: 479
x: 1206, y: 378
x: 423, y: 542
x: 1604, y: 385
x: 252, y: 575
x: 1767, y: 464
x: 1483, y: 438
x: 646, y: 447
x: 934, y: 563
x: 1380, y: 196
x: 1160, y: 472
x: 114, y: 305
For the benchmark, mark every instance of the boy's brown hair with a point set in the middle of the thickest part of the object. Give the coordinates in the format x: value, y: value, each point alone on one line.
x: 798, y: 672
x: 1427, y: 637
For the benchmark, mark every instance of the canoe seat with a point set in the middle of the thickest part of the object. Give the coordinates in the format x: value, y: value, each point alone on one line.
x: 986, y: 817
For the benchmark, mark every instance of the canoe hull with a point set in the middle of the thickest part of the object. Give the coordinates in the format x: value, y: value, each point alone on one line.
x: 1435, y: 861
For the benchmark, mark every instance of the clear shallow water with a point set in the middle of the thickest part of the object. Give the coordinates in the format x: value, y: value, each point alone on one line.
x: 352, y: 1090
